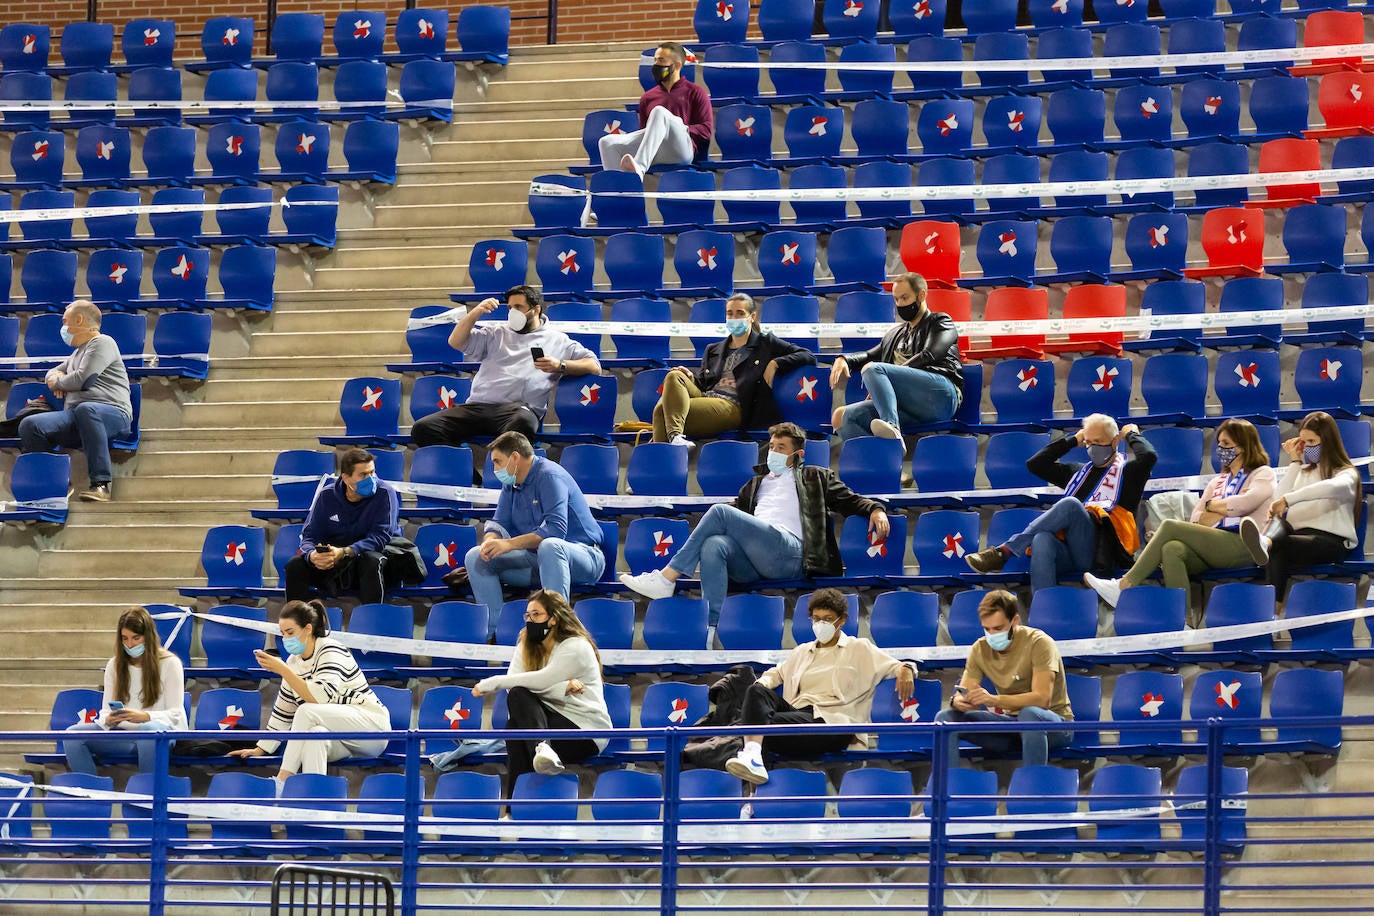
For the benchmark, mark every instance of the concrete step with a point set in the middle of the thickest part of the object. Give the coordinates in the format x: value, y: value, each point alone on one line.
x: 515, y: 105
x: 380, y: 315
x: 184, y: 564
x: 114, y: 590
x: 395, y: 276
x: 308, y: 415
x: 428, y: 257
x: 265, y: 390
x: 380, y: 345
x: 214, y: 511
x: 437, y: 188
x: 454, y: 211
x: 565, y: 149
x: 212, y: 460
x: 478, y: 170
x: 553, y: 124
x: 200, y: 486
x: 132, y: 535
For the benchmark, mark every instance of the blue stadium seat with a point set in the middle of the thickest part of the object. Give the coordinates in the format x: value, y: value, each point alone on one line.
x: 1211, y: 111
x: 396, y: 620
x: 868, y: 559
x: 360, y: 88
x: 1314, y: 237
x: 850, y: 21
x: 1171, y: 297
x: 1011, y: 169
x: 641, y: 349
x: 119, y: 228
x: 231, y: 84
x: 1278, y: 107
x: 856, y: 85
x: 617, y: 202
x: 674, y: 623
x: 154, y: 84
x: 494, y: 267
x: 791, y: 794
x: 1247, y: 384
x: 729, y: 85
x: 1082, y: 250
x: 1129, y: 39
x: 796, y: 86
x: 90, y: 86
x: 598, y: 124
x: 869, y: 464
x: 750, y: 214
x: 873, y: 792
x: 1327, y: 641
x: 138, y: 820
x: 717, y: 21
x: 1000, y: 45
x: 86, y: 46
x: 657, y: 469
x: 1022, y: 393
x: 939, y: 540
x: 1326, y: 290
x: 443, y: 466
x: 751, y: 621
x: 1328, y: 379
x: 651, y: 542
x: 879, y: 128
x: 1228, y: 694
x: 225, y: 42
x: 1142, y: 164
x: 233, y: 150
x: 1190, y: 805
x: 705, y: 264
x: 370, y: 408
x: 744, y: 133
x: 933, y: 83
x: 1049, y: 792
x: 483, y: 33
x: 1004, y: 463
x: 48, y: 277
x: 291, y: 82
x: 804, y: 397
x: 944, y: 463
x: 419, y: 33
x: 148, y: 43
x: 169, y: 156
x: 1064, y: 612
x: 610, y: 621
x: 232, y: 557
x: 1077, y: 165
x: 857, y: 257
x: 627, y: 795
x: 724, y: 466
x: 465, y: 794
x: 22, y: 86
x: 683, y: 215
x: 785, y: 20
x: 370, y: 149
x: 232, y: 836
x: 945, y: 127
x: 585, y: 406
x: 359, y: 34
x: 1296, y: 696
x: 443, y: 547
x: 80, y: 822
x: 566, y: 265
x: 225, y: 708
x: 247, y: 226
x: 1098, y: 385
x: 648, y: 388
x: 904, y: 618
x: 49, y: 232
x: 818, y: 215
x: 812, y: 134
x: 36, y: 156
x: 1006, y: 252
x: 1218, y: 158
x: 1076, y: 117
x: 669, y: 704
x: 1157, y: 244
x: 39, y: 483
x: 787, y: 262
x: 1174, y: 386
x: 1197, y: 36
x: 1011, y: 123
x: 947, y: 171
x: 1128, y: 787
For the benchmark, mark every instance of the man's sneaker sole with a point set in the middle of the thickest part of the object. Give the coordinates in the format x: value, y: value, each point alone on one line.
x: 737, y: 768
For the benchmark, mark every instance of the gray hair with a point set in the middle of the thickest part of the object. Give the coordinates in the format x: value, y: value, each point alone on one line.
x: 89, y: 312
x: 1104, y: 421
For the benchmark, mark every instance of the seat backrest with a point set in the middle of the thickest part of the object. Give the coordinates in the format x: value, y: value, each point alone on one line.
x: 675, y: 623
x: 233, y: 556
x: 751, y: 621
x: 1022, y: 390
x: 225, y: 708
x: 650, y: 543
x: 940, y: 540
x: 443, y: 547
x: 149, y: 42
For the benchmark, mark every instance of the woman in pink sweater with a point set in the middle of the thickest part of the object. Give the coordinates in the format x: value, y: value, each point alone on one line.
x: 1243, y: 490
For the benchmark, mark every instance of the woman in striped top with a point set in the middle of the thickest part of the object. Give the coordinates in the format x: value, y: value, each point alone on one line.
x: 322, y: 690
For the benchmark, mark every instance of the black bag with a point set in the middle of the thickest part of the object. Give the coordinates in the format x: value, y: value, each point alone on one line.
x: 727, y: 696
x: 210, y: 747
x: 403, y: 561
x: 9, y: 429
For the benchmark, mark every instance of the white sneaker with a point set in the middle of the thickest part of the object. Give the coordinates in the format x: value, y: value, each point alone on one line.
x: 746, y: 812
x: 884, y: 430
x: 748, y: 767
x: 682, y: 440
x: 1109, y: 590
x: 546, y: 762
x: 651, y: 584
x: 1254, y: 541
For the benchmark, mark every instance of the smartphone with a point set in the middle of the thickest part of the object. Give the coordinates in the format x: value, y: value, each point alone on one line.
x: 961, y: 690
x: 536, y: 353
x: 115, y: 706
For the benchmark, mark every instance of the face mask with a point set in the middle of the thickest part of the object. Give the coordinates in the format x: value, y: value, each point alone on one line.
x: 998, y: 642
x: 505, y: 476
x: 536, y: 631
x: 908, y: 312
x: 66, y: 336
x: 1100, y: 455
x: 824, y: 631
x: 1311, y: 454
x: 367, y: 486
x: 661, y: 72
x: 737, y: 327
x: 516, y: 321
x: 777, y: 462
x: 1224, y: 456
x: 293, y: 645
x: 134, y: 651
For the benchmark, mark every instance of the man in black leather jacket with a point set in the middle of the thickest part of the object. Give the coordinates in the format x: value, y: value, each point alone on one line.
x: 914, y: 375
x: 777, y: 528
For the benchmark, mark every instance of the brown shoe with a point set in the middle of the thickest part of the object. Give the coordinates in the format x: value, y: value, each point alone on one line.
x: 98, y: 493
x: 986, y: 561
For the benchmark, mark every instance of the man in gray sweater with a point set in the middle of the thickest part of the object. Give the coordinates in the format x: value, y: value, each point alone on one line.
x: 96, y: 389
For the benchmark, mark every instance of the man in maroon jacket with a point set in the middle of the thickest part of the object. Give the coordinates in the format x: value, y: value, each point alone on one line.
x: 675, y: 120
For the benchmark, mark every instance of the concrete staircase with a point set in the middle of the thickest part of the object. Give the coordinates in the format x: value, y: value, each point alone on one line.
x: 207, y: 450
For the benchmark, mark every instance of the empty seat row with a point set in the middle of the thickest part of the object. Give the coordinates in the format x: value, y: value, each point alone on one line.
x: 181, y: 344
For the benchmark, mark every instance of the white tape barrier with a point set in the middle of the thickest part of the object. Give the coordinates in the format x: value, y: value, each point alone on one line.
x: 1113, y: 645
x: 1137, y: 61
x: 48, y: 214
x: 1124, y: 188
x: 203, y: 105
x: 52, y: 502
x: 150, y: 360
x: 762, y: 831
x: 1139, y: 324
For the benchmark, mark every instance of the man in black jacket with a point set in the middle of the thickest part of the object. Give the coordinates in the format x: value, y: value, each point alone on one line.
x: 913, y: 375
x: 777, y: 528
x: 733, y: 387
x: 1092, y: 527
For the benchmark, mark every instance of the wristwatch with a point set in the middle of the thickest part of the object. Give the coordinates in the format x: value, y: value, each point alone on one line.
x: 562, y: 365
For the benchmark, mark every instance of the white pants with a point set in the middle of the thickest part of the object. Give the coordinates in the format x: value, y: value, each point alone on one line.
x: 664, y: 140
x: 314, y: 756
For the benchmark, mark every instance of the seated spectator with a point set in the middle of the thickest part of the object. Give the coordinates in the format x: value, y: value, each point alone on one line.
x: 1092, y: 527
x: 96, y: 388
x: 144, y: 686
x: 1024, y: 666
x: 553, y: 683
x: 725, y: 393
x: 829, y: 680
x: 322, y: 690
x: 520, y: 361
x: 1312, y: 519
x: 1211, y: 540
x: 675, y: 120
x: 913, y: 375
x: 542, y: 534
x: 348, y: 526
x: 777, y: 528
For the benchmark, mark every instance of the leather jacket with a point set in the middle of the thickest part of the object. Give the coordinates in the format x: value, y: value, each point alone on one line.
x: 936, y: 347
x: 819, y: 493
x: 757, y: 408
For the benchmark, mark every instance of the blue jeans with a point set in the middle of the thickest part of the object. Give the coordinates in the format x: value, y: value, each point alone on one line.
x: 731, y: 545
x: 1050, y: 558
x: 900, y: 395
x: 81, y: 754
x: 1035, y: 746
x: 87, y: 426
x: 555, y: 565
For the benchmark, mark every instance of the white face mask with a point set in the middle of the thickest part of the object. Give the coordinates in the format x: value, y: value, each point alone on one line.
x: 823, y: 630
x: 515, y: 320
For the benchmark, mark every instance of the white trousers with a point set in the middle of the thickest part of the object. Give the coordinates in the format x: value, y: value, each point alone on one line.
x: 314, y: 756
x: 664, y: 140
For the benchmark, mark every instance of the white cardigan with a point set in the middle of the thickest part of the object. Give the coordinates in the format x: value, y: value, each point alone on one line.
x: 1327, y: 504
x: 170, y: 708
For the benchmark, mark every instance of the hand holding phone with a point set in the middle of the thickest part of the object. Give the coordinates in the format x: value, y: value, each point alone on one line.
x: 536, y: 353
x: 115, y: 706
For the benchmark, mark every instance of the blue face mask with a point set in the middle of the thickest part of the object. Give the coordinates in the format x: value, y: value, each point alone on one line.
x: 367, y: 486
x: 66, y: 336
x: 293, y: 645
x: 1311, y: 454
x: 777, y: 462
x: 506, y: 477
x: 134, y: 651
x: 737, y: 327
x: 998, y: 642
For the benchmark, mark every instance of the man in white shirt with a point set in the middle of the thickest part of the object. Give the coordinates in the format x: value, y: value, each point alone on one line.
x: 777, y: 528
x: 520, y: 362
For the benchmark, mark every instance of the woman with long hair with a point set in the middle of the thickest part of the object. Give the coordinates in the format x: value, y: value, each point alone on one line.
x: 322, y: 690
x: 144, y: 691
x: 1317, y: 504
x: 1211, y: 539
x: 553, y: 682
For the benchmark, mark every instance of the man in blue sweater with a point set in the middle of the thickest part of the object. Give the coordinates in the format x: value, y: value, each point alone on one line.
x: 349, y: 525
x: 542, y: 534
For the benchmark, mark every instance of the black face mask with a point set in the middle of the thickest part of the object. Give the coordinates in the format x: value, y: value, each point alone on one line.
x: 908, y: 312
x: 536, y: 631
x: 661, y: 72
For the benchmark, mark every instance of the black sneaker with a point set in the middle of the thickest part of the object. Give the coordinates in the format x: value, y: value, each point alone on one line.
x: 986, y: 561
x: 98, y: 493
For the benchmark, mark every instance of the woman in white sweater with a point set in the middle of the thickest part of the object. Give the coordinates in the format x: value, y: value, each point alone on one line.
x: 144, y: 691
x: 1312, y: 520
x: 1211, y: 540
x: 553, y: 682
x: 322, y: 690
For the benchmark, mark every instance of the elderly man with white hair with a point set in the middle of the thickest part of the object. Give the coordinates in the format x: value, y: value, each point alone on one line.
x: 1092, y: 528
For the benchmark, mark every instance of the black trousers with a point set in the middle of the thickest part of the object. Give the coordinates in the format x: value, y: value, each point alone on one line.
x: 763, y: 706
x: 460, y: 424
x: 1293, y: 549
x: 526, y: 710
x: 365, y: 573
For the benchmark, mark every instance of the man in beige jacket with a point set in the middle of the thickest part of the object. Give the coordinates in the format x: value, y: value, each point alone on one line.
x: 830, y: 680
